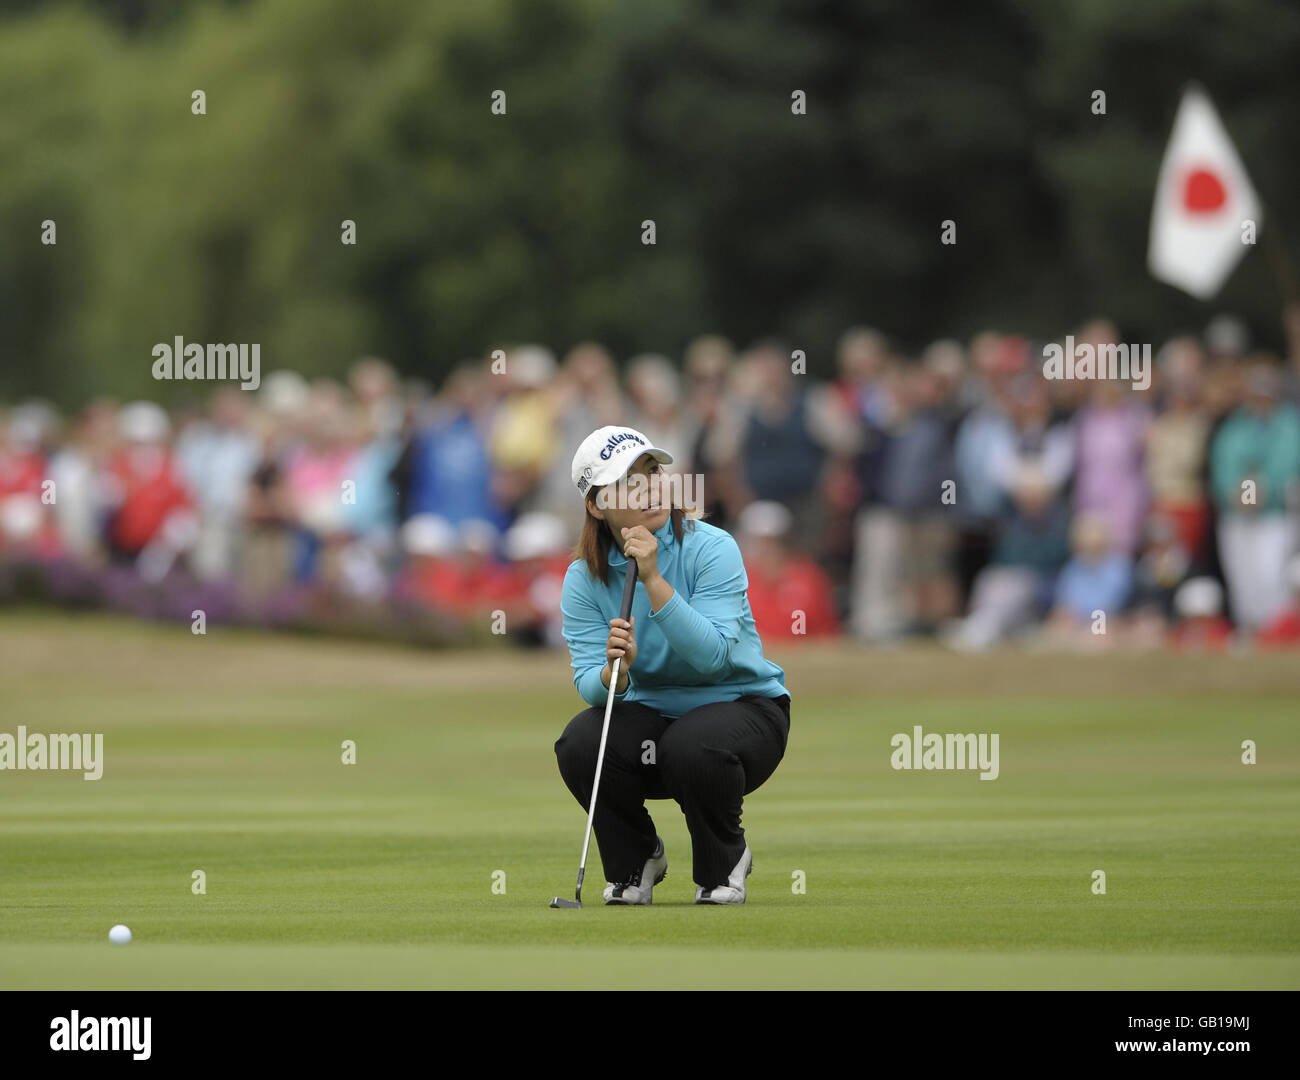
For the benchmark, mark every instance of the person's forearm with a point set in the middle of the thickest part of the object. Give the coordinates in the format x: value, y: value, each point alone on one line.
x: 692, y: 635
x: 659, y: 591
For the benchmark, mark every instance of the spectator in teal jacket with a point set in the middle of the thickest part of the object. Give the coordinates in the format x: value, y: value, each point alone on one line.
x: 1255, y: 481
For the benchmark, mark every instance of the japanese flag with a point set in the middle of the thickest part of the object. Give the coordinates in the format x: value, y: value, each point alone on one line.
x: 1203, y: 196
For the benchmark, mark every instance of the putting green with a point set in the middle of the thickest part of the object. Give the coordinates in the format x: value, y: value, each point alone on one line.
x: 431, y: 860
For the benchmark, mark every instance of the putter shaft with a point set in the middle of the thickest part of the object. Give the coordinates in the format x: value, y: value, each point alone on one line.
x: 629, y: 588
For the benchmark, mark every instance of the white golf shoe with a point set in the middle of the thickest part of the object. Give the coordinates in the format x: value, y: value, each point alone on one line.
x: 635, y: 890
x: 732, y: 891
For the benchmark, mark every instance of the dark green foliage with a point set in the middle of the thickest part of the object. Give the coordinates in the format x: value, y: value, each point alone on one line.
x: 475, y: 230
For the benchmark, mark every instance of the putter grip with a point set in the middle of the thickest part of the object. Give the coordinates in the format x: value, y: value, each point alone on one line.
x: 629, y: 587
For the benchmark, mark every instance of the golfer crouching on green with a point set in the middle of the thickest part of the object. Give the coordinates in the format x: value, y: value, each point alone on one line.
x: 699, y: 715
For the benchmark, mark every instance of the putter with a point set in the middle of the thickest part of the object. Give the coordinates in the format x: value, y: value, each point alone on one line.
x: 629, y: 588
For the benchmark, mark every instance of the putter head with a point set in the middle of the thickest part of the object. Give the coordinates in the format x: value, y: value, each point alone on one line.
x: 559, y: 901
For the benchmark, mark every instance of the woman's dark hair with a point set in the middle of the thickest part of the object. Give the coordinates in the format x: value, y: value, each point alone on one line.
x: 596, y: 539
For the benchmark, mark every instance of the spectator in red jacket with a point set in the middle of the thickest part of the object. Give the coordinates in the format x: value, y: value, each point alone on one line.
x: 486, y: 584
x: 144, y: 485
x: 25, y: 521
x: 430, y: 577
x: 539, y: 553
x: 455, y: 570
x: 789, y: 594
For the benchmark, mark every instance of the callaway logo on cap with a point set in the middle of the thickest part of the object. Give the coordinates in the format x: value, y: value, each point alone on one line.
x: 607, y: 453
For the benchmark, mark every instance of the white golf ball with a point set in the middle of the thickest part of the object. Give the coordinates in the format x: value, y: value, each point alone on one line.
x: 120, y: 935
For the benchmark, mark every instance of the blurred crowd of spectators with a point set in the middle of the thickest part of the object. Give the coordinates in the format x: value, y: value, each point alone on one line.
x: 956, y: 493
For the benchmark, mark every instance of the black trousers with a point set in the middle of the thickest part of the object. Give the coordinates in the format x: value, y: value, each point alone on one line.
x: 707, y: 759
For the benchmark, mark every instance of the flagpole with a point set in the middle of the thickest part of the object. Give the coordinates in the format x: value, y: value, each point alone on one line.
x: 1283, y: 265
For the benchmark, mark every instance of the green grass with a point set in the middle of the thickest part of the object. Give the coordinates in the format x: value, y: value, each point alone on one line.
x: 223, y: 754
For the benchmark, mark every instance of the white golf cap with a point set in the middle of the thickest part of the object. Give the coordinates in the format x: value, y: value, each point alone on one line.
x: 1199, y: 598
x: 765, y: 519
x: 531, y: 366
x: 284, y: 392
x: 143, y: 422
x: 535, y: 536
x: 478, y: 536
x: 607, y: 453
x: 430, y: 535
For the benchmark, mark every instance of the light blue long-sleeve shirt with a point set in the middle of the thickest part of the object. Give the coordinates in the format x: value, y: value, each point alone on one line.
x: 700, y: 647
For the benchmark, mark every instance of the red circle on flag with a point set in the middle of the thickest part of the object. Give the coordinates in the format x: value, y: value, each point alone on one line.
x: 1203, y: 192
